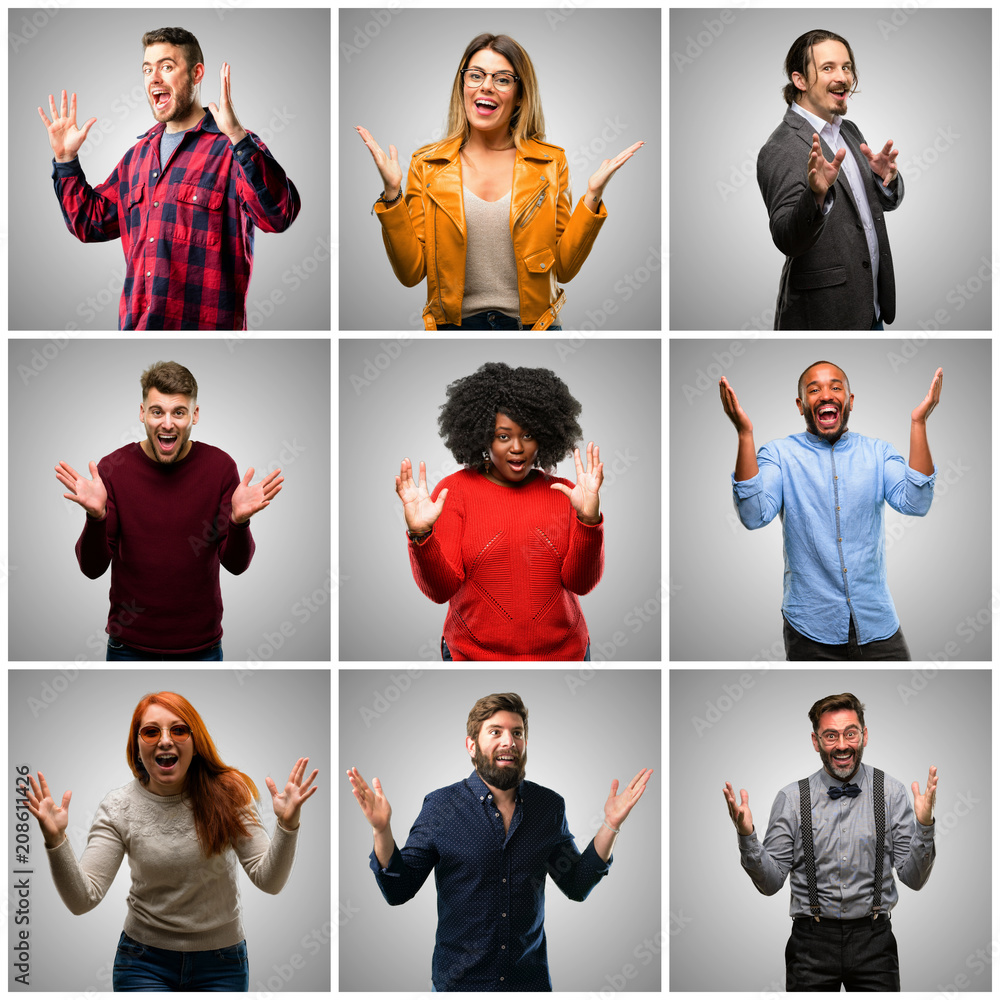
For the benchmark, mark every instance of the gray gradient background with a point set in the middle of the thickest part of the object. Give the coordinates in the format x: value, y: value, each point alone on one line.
x: 74, y: 729
x: 279, y: 96
x: 383, y: 615
x: 593, y: 66
x: 727, y: 581
x: 265, y: 403
x: 914, y: 719
x: 615, y: 714
x: 726, y: 110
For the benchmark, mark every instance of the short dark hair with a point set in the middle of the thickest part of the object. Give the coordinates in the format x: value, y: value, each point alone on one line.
x: 180, y: 37
x: 847, y: 381
x: 169, y: 378
x: 489, y: 705
x: 535, y: 398
x: 834, y: 703
x: 800, y: 57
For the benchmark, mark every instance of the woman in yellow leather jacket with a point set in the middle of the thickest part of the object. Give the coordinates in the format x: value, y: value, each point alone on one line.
x: 488, y: 216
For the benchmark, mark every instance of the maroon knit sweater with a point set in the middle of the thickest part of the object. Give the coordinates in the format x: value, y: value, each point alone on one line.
x: 510, y: 561
x: 166, y: 532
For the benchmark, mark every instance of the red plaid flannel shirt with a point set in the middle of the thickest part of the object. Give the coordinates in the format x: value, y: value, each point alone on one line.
x: 187, y: 232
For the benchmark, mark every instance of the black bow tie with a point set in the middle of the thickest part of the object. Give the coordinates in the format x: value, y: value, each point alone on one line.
x: 851, y: 790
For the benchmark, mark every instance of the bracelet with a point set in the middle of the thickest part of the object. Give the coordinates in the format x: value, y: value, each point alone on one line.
x: 382, y: 198
x: 610, y: 827
x: 415, y: 537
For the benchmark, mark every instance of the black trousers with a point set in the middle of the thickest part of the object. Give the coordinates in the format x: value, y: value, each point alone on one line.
x: 801, y: 647
x: 858, y: 954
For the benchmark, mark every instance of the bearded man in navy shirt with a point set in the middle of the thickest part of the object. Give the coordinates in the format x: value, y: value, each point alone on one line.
x: 492, y: 839
x: 830, y: 487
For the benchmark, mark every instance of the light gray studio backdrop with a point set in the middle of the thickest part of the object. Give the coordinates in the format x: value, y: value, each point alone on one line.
x: 265, y: 403
x: 385, y: 716
x: 915, y: 718
x: 391, y: 392
x: 598, y: 72
x: 98, y: 54
x: 940, y: 235
x: 726, y: 581
x: 73, y: 726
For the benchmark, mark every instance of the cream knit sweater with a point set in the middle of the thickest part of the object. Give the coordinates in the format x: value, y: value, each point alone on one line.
x: 179, y: 900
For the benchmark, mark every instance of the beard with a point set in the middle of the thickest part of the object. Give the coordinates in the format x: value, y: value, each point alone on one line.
x: 184, y: 101
x: 503, y: 778
x: 834, y: 435
x: 842, y: 772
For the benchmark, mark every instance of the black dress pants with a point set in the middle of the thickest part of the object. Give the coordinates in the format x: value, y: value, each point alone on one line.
x: 801, y: 647
x: 858, y: 954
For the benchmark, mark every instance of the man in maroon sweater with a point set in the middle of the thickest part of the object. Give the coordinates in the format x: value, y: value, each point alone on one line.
x: 165, y: 513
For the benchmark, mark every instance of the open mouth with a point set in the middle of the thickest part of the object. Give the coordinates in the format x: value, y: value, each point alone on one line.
x: 166, y: 761
x: 517, y: 465
x: 485, y: 106
x: 827, y: 416
x: 167, y: 442
x: 505, y: 761
x: 161, y: 98
x: 844, y: 758
x: 840, y: 95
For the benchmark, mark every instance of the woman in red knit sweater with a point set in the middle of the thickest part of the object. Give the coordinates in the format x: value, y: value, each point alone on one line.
x: 506, y: 544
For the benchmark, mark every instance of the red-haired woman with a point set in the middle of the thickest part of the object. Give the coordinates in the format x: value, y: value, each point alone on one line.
x: 186, y: 822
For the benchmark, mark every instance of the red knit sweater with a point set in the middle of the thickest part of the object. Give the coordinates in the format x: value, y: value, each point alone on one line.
x: 166, y: 533
x: 510, y: 561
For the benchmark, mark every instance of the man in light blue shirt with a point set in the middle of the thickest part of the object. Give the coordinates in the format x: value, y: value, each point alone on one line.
x: 823, y: 835
x: 829, y: 486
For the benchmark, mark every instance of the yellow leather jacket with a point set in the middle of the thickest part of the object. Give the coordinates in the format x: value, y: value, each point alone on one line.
x: 424, y: 232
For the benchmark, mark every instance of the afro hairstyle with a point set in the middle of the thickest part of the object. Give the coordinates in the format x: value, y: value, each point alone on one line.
x: 535, y: 398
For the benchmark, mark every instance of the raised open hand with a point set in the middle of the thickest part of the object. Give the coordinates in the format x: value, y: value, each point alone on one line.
x: 288, y: 802
x: 619, y: 805
x: 373, y: 802
x: 64, y: 137
x: 224, y: 113
x: 821, y: 172
x: 585, y: 497
x: 51, y: 818
x: 933, y: 397
x: 388, y: 166
x: 923, y: 804
x: 608, y: 168
x: 90, y: 494
x: 731, y: 405
x: 418, y: 508
x: 739, y: 812
x: 883, y: 162
x: 247, y: 499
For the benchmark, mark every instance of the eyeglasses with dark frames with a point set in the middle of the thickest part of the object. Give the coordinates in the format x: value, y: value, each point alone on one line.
x: 475, y: 77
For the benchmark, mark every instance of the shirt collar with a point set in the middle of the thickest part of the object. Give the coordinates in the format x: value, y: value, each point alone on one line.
x: 207, y: 123
x: 817, y: 441
x: 818, y: 123
x: 860, y: 778
x: 482, y: 790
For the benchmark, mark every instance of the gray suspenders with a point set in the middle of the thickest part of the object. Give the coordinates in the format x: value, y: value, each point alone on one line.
x: 805, y: 807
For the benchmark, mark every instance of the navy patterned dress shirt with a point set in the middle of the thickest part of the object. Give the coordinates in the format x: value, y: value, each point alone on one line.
x: 490, y: 882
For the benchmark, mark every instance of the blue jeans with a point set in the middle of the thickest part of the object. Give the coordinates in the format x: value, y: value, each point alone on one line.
x: 489, y: 320
x: 140, y: 968
x: 446, y: 652
x: 117, y: 650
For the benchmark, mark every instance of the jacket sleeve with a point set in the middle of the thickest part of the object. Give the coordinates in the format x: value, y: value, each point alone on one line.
x: 265, y: 192
x: 82, y: 884
x: 403, y: 230
x: 575, y: 234
x: 795, y: 221
x: 91, y: 214
x: 436, y: 561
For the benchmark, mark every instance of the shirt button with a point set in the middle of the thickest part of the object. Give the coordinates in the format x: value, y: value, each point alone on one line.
x: 836, y: 477
x: 838, y: 508
x: 195, y: 198
x: 480, y: 798
x: 840, y: 539
x: 152, y: 238
x: 843, y: 570
x: 154, y: 173
x: 503, y: 914
x: 148, y: 273
x: 503, y: 880
x: 503, y: 947
x: 496, y: 814
x: 501, y: 979
x: 156, y: 204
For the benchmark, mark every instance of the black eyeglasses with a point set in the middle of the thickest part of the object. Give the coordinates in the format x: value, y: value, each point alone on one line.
x: 151, y: 734
x: 502, y: 80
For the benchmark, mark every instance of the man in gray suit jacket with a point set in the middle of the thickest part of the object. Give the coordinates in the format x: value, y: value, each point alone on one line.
x: 827, y: 194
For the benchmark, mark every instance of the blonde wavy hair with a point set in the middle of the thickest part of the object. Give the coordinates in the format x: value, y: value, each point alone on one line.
x: 527, y: 122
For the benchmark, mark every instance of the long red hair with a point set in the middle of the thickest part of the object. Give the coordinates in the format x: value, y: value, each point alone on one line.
x: 219, y: 794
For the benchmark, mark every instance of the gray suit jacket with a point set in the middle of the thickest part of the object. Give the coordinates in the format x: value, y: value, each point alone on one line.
x: 826, y: 283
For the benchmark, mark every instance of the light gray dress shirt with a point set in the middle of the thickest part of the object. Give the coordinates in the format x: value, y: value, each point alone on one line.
x: 844, y: 848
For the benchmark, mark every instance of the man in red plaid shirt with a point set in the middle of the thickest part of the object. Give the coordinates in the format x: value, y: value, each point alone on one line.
x: 184, y: 199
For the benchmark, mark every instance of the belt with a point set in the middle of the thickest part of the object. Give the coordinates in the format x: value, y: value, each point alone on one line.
x: 547, y: 319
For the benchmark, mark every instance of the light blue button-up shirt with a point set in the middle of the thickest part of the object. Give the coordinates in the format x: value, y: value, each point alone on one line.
x: 831, y: 501
x: 844, y: 846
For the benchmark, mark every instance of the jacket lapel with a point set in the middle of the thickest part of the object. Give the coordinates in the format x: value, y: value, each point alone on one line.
x: 804, y: 130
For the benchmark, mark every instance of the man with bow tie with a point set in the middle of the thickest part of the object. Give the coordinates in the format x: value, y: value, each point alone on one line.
x: 833, y: 831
